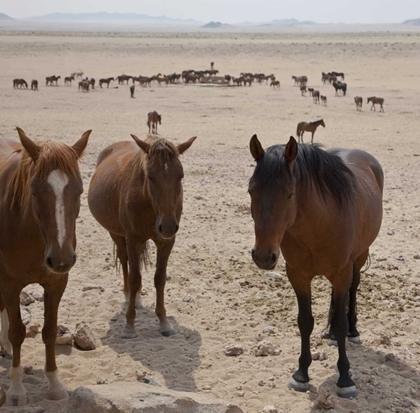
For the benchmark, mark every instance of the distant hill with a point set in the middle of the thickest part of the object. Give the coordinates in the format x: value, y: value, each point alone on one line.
x: 5, y: 17
x: 109, y: 17
x: 414, y: 22
x: 215, y: 25
x: 289, y: 22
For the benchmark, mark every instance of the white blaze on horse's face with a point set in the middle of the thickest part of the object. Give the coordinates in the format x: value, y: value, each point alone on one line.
x: 58, y: 181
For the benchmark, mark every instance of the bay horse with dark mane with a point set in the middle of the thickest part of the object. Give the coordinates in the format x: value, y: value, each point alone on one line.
x: 107, y: 81
x: 40, y: 188
x: 340, y: 86
x: 153, y: 118
x: 376, y: 101
x: 136, y: 195
x: 323, y: 210
x: 303, y: 127
x: 19, y: 82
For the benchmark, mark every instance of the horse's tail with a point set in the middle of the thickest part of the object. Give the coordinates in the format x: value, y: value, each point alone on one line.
x: 144, y: 257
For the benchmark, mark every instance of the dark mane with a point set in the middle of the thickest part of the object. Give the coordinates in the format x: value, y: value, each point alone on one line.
x: 317, y: 122
x: 327, y: 172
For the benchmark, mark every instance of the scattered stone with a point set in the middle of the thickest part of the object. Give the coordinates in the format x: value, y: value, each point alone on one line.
x: 64, y: 337
x: 325, y: 400
x: 315, y: 355
x: 150, y: 380
x: 28, y: 370
x: 265, y: 348
x: 188, y: 298
x: 93, y: 287
x: 390, y: 357
x: 25, y: 298
x: 269, y: 409
x: 261, y: 383
x: 102, y: 381
x: 391, y: 232
x: 37, y: 410
x: 233, y: 350
x: 400, y: 258
x: 385, y: 340
x: 416, y: 257
x: 217, y: 276
x: 32, y: 330
x: 272, y: 274
x: 323, y: 356
x: 83, y: 337
x: 26, y: 315
x: 122, y: 397
x: 268, y: 330
x: 38, y: 297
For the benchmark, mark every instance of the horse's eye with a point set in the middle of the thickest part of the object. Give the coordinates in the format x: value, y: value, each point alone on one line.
x: 290, y: 196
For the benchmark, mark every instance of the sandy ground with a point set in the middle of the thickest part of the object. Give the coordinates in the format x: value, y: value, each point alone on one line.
x: 234, y: 301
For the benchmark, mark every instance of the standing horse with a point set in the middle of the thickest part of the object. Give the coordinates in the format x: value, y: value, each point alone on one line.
x: 107, y: 81
x: 359, y: 102
x: 136, y: 194
x: 340, y: 86
x: 324, y: 100
x: 323, y: 209
x: 153, y: 118
x: 315, y: 96
x: 40, y: 187
x: 303, y: 127
x: 376, y: 101
x: 34, y: 85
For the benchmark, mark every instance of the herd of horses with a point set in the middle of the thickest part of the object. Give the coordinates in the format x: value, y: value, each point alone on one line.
x: 297, y: 190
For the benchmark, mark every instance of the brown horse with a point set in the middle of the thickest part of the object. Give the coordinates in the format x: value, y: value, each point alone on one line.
x: 34, y: 85
x: 315, y: 96
x: 40, y: 187
x: 323, y: 210
x: 68, y: 80
x: 19, y: 82
x: 323, y: 100
x: 310, y: 90
x: 153, y: 118
x: 107, y: 81
x: 51, y: 79
x: 376, y: 101
x: 303, y: 90
x: 136, y: 194
x: 303, y: 127
x: 359, y: 102
x: 275, y: 84
x: 84, y: 86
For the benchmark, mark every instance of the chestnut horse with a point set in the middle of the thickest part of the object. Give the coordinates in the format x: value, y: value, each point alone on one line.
x: 323, y: 210
x: 40, y: 187
x: 136, y: 194
x: 359, y: 102
x: 153, y: 118
x: 376, y: 101
x: 303, y: 127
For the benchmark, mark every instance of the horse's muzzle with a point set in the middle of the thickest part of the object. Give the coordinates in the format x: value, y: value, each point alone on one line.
x: 265, y: 260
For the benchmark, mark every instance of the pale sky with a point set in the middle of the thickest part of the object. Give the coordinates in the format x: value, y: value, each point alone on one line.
x: 231, y: 11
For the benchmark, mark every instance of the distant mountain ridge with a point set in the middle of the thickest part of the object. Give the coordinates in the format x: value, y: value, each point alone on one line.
x: 215, y: 25
x: 5, y: 17
x: 105, y: 16
x: 289, y: 22
x: 413, y: 22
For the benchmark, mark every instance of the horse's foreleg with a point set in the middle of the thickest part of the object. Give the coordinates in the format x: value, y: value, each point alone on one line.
x: 302, y: 287
x: 164, y: 249
x: 134, y: 285
x: 312, y: 138
x: 16, y: 395
x: 56, y: 390
x: 340, y: 327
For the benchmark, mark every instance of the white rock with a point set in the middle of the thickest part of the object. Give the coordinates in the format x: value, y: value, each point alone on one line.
x: 25, y: 298
x: 272, y: 274
x: 26, y: 315
x: 64, y: 337
x: 265, y: 348
x: 188, y: 298
x: 83, y: 337
x: 269, y: 409
x: 233, y: 350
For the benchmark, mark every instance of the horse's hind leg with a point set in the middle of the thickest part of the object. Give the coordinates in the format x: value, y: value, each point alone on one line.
x: 164, y: 249
x: 302, y: 287
x: 6, y: 346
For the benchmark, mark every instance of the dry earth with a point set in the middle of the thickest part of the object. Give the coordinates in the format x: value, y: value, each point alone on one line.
x: 234, y: 301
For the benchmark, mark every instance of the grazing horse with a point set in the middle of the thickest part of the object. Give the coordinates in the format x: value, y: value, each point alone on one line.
x: 107, y: 81
x: 275, y: 84
x: 303, y: 127
x: 376, y: 101
x: 315, y: 96
x: 153, y: 118
x: 136, y: 194
x: 40, y: 188
x: 323, y: 210
x: 19, y: 82
x: 303, y: 90
x: 359, y: 102
x: 324, y: 100
x: 34, y: 85
x: 340, y: 86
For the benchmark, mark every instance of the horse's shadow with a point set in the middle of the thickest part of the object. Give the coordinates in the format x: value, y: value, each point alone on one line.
x: 384, y: 382
x: 175, y: 357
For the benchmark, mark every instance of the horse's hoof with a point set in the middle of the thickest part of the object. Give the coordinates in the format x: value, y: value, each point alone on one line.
x: 354, y: 340
x: 16, y: 399
x: 347, y: 392
x: 332, y: 343
x: 298, y: 386
x: 128, y: 333
x: 58, y: 394
x: 168, y: 333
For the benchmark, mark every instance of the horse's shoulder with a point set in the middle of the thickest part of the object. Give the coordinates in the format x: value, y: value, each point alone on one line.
x: 116, y: 149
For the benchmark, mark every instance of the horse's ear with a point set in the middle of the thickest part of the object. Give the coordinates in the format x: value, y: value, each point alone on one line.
x: 143, y: 145
x: 291, y: 150
x: 80, y: 145
x: 182, y: 147
x: 256, y: 149
x: 30, y: 146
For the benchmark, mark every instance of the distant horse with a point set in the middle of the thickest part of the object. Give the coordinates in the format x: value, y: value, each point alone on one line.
x: 40, y: 187
x: 359, y: 102
x: 324, y: 100
x: 331, y: 79
x: 297, y: 80
x: 248, y: 80
x: 84, y: 86
x: 106, y: 81
x: 49, y: 81
x: 303, y: 127
x: 128, y: 180
x: 132, y: 89
x: 34, y: 85
x: 376, y: 101
x: 68, y: 80
x: 315, y: 96
x: 275, y: 84
x: 92, y: 82
x: 162, y: 79
x: 310, y: 90
x: 323, y: 210
x: 338, y: 74
x: 19, y: 83
x: 303, y: 90
x: 153, y: 118
x: 123, y: 78
x: 340, y: 86
x: 77, y: 74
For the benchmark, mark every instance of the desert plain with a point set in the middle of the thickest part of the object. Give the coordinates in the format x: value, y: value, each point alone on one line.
x: 215, y: 294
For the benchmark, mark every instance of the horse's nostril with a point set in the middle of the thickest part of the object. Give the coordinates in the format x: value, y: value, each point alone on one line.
x: 273, y: 258
x: 176, y: 228
x: 49, y: 262
x: 160, y: 228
